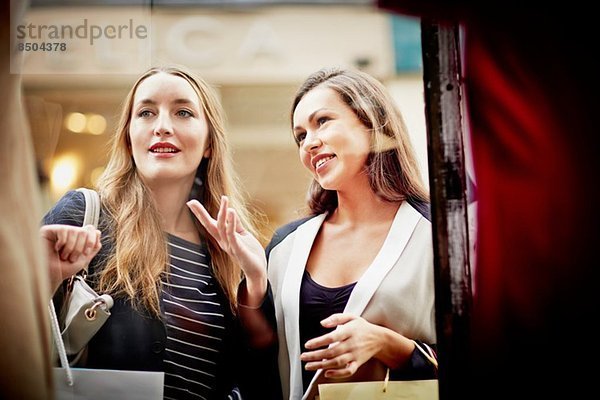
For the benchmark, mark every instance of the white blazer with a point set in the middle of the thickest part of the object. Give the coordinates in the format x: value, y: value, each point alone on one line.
x: 396, y: 291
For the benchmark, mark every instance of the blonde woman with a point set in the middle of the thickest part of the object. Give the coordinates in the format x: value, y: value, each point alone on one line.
x: 174, y: 287
x: 351, y: 286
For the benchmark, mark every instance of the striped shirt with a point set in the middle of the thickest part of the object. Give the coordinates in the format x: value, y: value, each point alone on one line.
x: 196, y: 315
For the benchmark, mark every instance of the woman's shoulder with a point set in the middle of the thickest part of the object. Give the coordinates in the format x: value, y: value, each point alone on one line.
x: 284, y: 231
x: 422, y: 207
x: 69, y: 210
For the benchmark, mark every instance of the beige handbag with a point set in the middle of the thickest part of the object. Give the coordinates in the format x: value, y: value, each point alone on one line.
x: 84, y: 311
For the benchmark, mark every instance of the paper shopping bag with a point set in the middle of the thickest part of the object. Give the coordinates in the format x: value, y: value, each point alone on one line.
x: 377, y: 390
x: 102, y: 384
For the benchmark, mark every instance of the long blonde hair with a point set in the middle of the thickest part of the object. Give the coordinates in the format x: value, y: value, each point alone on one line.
x: 140, y: 246
x: 392, y: 165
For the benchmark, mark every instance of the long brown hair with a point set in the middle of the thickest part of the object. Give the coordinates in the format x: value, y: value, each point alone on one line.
x: 141, y: 252
x: 392, y: 165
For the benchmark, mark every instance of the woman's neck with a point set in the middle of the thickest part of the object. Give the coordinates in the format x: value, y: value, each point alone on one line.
x: 170, y: 201
x: 363, y: 207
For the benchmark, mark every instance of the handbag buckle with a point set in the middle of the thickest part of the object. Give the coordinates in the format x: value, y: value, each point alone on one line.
x: 90, y: 313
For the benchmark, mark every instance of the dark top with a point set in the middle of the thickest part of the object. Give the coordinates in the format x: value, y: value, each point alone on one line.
x: 197, y: 317
x: 317, y: 303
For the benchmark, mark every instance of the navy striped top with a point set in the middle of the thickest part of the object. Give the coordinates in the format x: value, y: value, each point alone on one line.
x: 197, y: 316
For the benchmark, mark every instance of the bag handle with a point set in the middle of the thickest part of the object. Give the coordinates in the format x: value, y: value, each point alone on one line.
x: 429, y: 354
x: 60, y: 345
x: 92, y: 209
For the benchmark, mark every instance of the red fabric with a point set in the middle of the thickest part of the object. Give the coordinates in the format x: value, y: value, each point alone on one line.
x: 532, y: 89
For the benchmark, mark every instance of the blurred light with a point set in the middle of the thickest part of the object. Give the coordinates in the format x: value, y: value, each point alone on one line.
x: 96, y: 124
x: 75, y: 122
x: 95, y: 174
x: 64, y: 173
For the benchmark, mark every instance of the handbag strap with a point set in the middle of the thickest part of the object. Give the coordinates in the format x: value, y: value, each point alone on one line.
x: 60, y: 345
x: 92, y: 207
x: 91, y: 215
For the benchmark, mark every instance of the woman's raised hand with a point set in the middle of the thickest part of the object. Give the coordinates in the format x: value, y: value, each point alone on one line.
x: 69, y: 249
x: 235, y: 240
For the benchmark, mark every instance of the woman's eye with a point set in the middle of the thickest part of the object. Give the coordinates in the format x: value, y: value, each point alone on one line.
x: 300, y: 137
x: 184, y: 113
x: 322, y: 120
x: 144, y: 113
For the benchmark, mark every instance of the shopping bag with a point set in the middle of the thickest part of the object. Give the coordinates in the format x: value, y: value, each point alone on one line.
x: 96, y: 384
x: 102, y: 384
x: 380, y: 390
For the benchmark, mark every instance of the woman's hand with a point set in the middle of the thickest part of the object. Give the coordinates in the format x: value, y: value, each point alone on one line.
x: 236, y: 241
x: 354, y: 341
x: 69, y: 249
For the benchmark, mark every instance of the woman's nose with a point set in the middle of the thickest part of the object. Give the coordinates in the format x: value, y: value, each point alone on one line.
x: 311, y: 143
x: 164, y: 125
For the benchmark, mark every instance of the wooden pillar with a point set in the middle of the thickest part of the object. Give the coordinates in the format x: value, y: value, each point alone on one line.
x: 441, y: 73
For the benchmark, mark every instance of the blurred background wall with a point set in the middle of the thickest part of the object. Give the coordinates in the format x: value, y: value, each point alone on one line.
x: 255, y: 53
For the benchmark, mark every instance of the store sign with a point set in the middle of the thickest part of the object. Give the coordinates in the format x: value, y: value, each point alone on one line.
x: 278, y: 44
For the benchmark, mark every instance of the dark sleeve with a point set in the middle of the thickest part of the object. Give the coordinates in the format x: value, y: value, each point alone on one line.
x: 69, y: 210
x: 258, y: 323
x: 260, y: 375
x: 418, y: 367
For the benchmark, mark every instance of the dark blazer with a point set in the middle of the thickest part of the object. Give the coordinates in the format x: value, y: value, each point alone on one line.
x: 132, y: 339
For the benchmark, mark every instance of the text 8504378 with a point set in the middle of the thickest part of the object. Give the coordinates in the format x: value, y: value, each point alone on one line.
x: 43, y: 46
